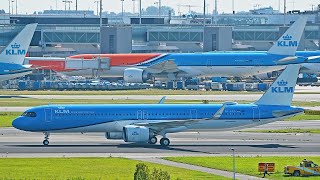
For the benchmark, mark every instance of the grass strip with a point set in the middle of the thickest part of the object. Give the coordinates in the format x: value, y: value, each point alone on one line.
x: 287, y: 130
x: 85, y: 168
x: 248, y: 165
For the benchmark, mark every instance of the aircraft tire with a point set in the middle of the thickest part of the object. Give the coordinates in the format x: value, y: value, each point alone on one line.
x: 153, y: 140
x: 45, y: 142
x: 165, y: 142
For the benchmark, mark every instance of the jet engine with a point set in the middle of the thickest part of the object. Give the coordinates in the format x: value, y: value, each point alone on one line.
x: 135, y: 75
x: 133, y: 133
x: 114, y: 135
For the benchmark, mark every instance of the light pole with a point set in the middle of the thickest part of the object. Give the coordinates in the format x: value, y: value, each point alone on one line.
x: 16, y: 6
x: 122, y: 7
x: 133, y: 6
x: 65, y: 5
x: 12, y: 6
x: 159, y: 7
x: 234, y: 163
x: 9, y: 6
x: 140, y: 11
x: 204, y: 13
x: 97, y: 3
x: 233, y: 11
x: 157, y: 4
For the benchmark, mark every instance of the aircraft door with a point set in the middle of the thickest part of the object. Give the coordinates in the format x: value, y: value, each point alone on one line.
x: 48, y: 115
x: 255, y: 114
x: 209, y: 64
x: 139, y: 115
x: 193, y: 114
x: 145, y: 115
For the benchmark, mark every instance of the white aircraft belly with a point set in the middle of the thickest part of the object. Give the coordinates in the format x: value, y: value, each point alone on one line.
x: 191, y: 71
x: 231, y: 71
x: 12, y: 76
x: 211, y: 125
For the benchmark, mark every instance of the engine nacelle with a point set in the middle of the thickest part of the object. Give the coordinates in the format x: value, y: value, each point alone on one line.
x: 135, y: 75
x: 114, y: 135
x: 311, y: 68
x: 133, y: 133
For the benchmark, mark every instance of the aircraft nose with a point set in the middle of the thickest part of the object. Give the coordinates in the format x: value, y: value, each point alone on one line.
x: 18, y: 123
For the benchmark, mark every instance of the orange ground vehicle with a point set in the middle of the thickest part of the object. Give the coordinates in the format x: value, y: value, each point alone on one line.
x: 306, y: 168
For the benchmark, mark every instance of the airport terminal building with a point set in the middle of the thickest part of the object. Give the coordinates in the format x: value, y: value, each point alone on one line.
x: 61, y: 35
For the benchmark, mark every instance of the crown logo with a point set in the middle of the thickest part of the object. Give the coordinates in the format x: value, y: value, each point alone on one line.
x: 15, y: 46
x: 287, y: 37
x: 282, y: 83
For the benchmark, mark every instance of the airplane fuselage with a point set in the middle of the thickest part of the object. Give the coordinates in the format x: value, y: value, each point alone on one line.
x: 11, y: 71
x: 112, y: 118
x: 196, y: 65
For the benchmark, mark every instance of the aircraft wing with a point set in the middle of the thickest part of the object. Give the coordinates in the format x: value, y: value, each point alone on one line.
x: 168, y: 66
x: 160, y: 125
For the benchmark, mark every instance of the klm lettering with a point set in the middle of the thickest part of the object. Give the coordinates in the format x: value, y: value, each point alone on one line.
x: 282, y: 89
x: 16, y: 52
x: 61, y: 111
x: 288, y: 43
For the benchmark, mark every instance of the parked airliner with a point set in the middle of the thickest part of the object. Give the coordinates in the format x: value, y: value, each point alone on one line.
x: 141, y: 67
x: 12, y: 57
x: 143, y: 123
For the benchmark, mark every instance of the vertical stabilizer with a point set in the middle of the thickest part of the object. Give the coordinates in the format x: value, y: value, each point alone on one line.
x: 288, y: 43
x: 282, y: 89
x: 17, y: 49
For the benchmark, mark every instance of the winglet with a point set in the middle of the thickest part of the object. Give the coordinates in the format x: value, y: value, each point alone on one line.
x: 17, y: 49
x: 219, y: 113
x: 162, y: 100
x: 282, y: 90
x: 288, y: 43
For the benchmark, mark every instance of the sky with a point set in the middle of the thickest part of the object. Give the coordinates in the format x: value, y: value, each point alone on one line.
x: 29, y: 6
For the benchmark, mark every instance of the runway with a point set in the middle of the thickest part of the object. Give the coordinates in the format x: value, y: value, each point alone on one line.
x: 18, y: 143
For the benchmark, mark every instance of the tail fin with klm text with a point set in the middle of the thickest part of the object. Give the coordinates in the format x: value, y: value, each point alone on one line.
x: 17, y: 49
x: 282, y: 90
x: 288, y: 43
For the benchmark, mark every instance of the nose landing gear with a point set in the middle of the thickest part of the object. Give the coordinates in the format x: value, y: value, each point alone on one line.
x: 46, y: 139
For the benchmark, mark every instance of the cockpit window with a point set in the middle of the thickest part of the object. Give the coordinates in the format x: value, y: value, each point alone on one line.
x: 29, y: 114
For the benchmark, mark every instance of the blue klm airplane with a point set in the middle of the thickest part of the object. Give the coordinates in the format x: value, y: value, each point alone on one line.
x: 138, y: 68
x: 144, y: 122
x: 12, y: 57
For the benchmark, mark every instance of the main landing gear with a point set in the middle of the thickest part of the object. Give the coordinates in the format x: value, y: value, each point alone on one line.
x: 153, y: 140
x: 46, y: 139
x: 163, y: 141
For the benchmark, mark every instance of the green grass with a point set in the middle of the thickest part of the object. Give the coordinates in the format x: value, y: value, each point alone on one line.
x: 6, y: 118
x: 304, y: 117
x: 248, y: 165
x: 85, y: 168
x: 287, y: 130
